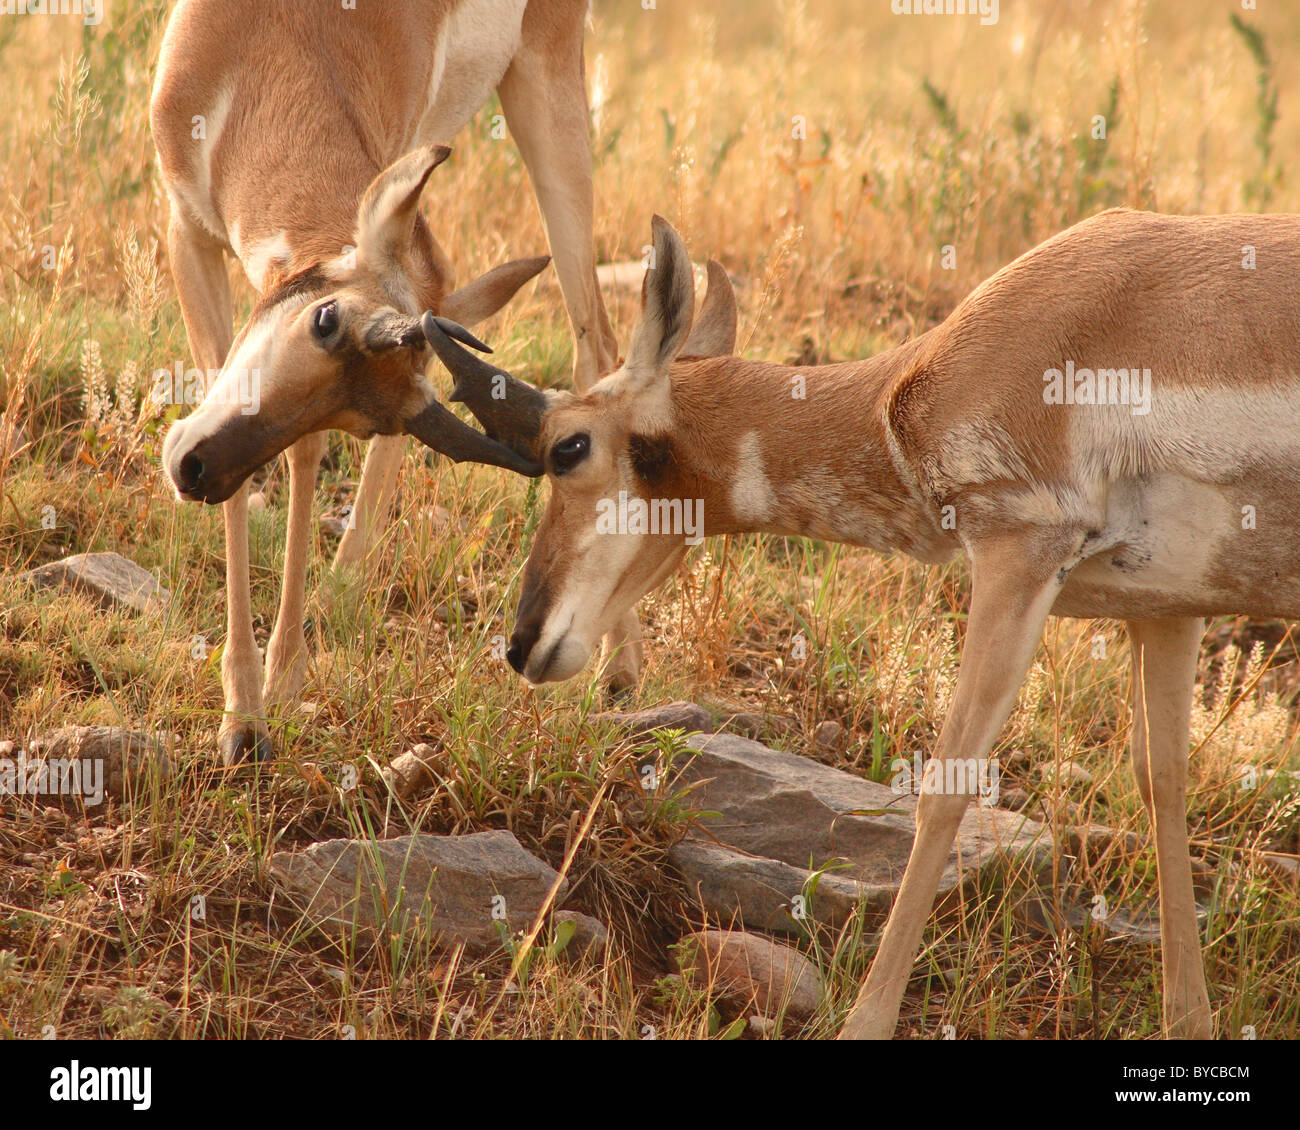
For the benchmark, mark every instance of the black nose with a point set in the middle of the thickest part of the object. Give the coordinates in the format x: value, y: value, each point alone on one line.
x: 191, y: 473
x: 521, y: 643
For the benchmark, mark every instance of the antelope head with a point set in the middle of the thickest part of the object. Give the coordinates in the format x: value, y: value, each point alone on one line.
x: 341, y: 346
x: 602, y: 452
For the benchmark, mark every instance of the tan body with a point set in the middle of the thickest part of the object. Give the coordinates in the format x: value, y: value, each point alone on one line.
x: 947, y: 443
x: 272, y: 123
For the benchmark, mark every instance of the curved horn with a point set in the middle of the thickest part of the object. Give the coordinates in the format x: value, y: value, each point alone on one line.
x: 437, y: 428
x: 509, y: 409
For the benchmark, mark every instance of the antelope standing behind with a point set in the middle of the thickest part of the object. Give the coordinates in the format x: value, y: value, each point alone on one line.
x: 299, y: 140
x: 1158, y: 508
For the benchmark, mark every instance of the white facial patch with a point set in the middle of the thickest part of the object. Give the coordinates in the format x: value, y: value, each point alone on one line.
x: 237, y: 391
x: 752, y: 498
x: 646, y: 395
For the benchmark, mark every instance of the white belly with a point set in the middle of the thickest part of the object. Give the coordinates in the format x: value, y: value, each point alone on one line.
x: 476, y: 48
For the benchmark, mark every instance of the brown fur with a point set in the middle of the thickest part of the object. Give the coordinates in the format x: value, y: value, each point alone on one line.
x: 949, y: 442
x: 307, y: 108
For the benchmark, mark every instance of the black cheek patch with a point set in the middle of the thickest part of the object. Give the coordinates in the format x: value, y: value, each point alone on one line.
x: 652, y: 456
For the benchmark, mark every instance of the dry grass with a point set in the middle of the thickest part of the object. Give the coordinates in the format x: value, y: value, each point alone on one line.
x: 913, y: 136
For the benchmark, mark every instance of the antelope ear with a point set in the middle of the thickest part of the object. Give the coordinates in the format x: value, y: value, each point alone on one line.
x: 714, y: 332
x: 386, y: 214
x: 488, y: 293
x: 667, y: 304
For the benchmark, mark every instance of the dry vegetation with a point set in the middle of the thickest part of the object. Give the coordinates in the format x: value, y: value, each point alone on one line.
x: 920, y: 133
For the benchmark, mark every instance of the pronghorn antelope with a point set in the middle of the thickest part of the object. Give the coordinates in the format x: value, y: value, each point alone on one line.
x: 298, y: 138
x: 1158, y: 508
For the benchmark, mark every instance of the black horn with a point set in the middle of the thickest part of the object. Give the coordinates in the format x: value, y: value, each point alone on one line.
x: 439, y: 429
x: 509, y: 409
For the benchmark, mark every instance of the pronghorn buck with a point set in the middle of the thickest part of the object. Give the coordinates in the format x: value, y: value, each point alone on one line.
x: 298, y: 139
x: 1155, y: 497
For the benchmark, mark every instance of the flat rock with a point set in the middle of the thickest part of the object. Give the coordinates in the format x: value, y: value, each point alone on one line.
x: 117, y: 758
x: 764, y: 975
x: 780, y: 814
x: 460, y: 886
x: 672, y: 716
x: 760, y: 727
x: 109, y: 578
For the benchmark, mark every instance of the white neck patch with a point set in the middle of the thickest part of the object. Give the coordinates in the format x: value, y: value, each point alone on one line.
x: 752, y: 497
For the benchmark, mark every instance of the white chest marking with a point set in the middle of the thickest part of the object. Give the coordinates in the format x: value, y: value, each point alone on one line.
x: 477, y: 45
x: 195, y: 193
x: 260, y: 255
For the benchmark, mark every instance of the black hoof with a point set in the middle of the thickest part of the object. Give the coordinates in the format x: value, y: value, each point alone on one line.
x: 245, y: 746
x: 618, y: 693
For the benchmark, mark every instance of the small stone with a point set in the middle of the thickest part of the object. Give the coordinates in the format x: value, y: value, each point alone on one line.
x: 1287, y: 866
x: 765, y: 974
x: 256, y: 502
x: 590, y: 937
x: 1069, y: 773
x: 109, y: 578
x: 447, y: 611
x: 673, y: 716
x: 761, y: 1025
x: 412, y: 773
x: 1013, y: 798
x: 827, y: 736
x: 1061, y: 811
x: 1017, y: 759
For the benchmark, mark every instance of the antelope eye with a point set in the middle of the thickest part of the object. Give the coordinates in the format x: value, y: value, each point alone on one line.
x: 325, y: 321
x: 568, y: 453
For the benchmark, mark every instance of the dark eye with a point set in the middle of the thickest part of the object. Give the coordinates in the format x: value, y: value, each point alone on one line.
x: 568, y: 453
x: 326, y: 320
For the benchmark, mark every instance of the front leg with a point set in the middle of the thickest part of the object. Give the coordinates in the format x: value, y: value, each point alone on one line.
x: 1015, y: 581
x: 374, y: 500
x: 622, y: 653
x: 286, y: 656
x: 244, y: 734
